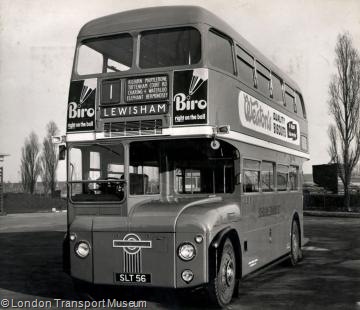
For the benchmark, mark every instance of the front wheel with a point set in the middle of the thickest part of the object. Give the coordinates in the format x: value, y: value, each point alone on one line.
x: 221, y: 287
x: 295, y: 252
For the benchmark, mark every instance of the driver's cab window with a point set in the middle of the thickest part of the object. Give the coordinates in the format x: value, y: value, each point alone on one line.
x: 144, y: 169
x: 96, y: 172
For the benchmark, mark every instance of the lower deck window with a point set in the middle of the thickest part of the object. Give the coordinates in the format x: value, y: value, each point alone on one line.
x: 282, y: 177
x: 251, y: 176
x: 293, y: 178
x: 267, y: 176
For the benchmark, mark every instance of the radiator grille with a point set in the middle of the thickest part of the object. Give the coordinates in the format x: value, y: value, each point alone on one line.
x: 132, y: 262
x: 133, y: 128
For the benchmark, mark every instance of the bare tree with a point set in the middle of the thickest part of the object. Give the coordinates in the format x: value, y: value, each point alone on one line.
x: 344, y: 104
x: 30, y: 163
x: 332, y: 150
x: 49, y: 159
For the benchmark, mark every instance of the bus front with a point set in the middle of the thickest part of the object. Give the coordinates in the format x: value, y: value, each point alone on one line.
x: 145, y: 175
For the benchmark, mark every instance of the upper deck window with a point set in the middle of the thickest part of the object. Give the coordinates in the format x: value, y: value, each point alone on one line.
x: 300, y: 105
x: 170, y: 47
x: 263, y: 79
x: 245, y: 63
x: 220, y: 52
x: 289, y: 98
x: 277, y: 89
x: 106, y: 54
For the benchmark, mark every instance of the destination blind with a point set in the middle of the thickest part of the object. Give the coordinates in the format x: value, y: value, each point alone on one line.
x: 148, y: 88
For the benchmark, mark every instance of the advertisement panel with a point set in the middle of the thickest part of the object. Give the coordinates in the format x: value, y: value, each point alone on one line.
x: 81, y: 106
x: 190, y: 97
x: 262, y: 118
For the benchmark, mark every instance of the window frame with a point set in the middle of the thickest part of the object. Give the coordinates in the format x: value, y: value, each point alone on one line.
x: 262, y: 70
x: 273, y: 176
x: 232, y: 45
x: 105, y: 58
x: 291, y: 93
x: 301, y: 103
x: 69, y: 182
x: 142, y: 168
x: 194, y: 168
x: 276, y: 76
x: 297, y: 169
x: 138, y: 49
x: 287, y: 177
x: 251, y: 169
x: 249, y: 60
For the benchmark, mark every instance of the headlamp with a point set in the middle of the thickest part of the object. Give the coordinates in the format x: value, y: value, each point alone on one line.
x: 186, y: 251
x: 82, y: 249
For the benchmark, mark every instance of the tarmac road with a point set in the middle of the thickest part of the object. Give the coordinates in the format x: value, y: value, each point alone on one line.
x: 327, y: 278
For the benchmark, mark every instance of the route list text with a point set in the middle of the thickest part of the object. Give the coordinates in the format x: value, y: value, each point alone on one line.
x: 147, y: 88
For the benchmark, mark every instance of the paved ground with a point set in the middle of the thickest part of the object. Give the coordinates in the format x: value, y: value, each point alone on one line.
x: 327, y: 278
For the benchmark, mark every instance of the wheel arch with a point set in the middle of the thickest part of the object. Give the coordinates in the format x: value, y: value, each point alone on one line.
x: 216, y: 246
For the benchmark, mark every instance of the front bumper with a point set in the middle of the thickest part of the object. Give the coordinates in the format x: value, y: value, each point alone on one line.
x: 113, y: 256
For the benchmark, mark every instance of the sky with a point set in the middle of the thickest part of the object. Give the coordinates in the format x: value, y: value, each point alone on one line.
x: 37, y: 42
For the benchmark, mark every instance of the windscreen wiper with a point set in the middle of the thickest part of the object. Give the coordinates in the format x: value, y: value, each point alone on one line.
x: 112, y: 68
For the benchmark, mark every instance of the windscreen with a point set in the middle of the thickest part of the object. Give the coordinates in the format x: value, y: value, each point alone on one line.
x: 193, y: 166
x: 106, y: 54
x: 200, y: 169
x: 170, y: 47
x: 144, y: 169
x: 96, y: 172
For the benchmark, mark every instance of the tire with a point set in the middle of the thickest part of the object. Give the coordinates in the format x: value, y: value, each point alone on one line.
x: 295, y: 246
x: 221, y: 287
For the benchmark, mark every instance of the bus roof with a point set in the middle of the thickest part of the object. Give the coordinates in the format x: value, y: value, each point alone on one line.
x: 164, y: 16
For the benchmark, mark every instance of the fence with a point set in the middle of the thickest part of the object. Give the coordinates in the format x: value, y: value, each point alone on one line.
x: 329, y: 202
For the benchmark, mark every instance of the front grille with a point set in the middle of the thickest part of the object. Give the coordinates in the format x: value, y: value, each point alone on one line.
x: 133, y: 128
x: 132, y: 263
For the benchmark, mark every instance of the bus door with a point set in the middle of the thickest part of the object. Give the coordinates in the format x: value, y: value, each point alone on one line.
x: 256, y: 227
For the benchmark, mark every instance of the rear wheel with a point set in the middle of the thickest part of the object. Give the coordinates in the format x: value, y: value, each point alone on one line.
x: 221, y: 288
x: 295, y: 252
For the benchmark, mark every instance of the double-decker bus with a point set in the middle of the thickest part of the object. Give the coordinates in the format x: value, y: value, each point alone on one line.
x: 184, y: 151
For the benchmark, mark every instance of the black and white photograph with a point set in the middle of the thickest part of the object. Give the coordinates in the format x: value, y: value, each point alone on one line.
x: 180, y: 154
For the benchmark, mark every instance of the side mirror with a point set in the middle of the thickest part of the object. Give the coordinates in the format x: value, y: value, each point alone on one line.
x: 62, y: 152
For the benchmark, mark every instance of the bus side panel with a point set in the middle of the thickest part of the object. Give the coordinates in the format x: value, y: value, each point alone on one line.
x: 222, y: 100
x: 267, y: 216
x: 224, y: 107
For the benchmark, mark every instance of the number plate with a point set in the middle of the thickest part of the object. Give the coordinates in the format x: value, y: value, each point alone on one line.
x: 132, y: 278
